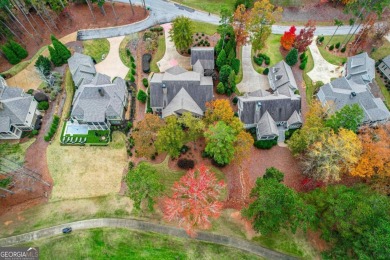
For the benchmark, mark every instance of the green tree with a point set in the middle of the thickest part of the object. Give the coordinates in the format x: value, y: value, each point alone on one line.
x: 224, y: 74
x: 170, y: 138
x: 273, y: 173
x: 54, y: 57
x: 221, y: 59
x: 181, y: 32
x: 231, y: 87
x: 236, y: 65
x: 224, y: 27
x: 43, y: 64
x: 10, y: 55
x: 349, y: 117
x: 277, y: 207
x: 142, y: 96
x: 292, y: 57
x: 144, y: 185
x: 220, y: 140
x: 18, y: 49
x: 220, y: 88
x: 62, y: 52
x: 354, y: 220
x: 195, y: 126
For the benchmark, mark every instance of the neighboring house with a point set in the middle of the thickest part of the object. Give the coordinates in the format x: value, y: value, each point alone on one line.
x: 266, y: 111
x: 384, y: 67
x: 18, y: 111
x: 360, y: 69
x: 177, y: 90
x: 82, y: 69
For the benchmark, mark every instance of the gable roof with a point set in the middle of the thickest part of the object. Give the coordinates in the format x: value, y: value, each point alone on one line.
x: 386, y: 60
x: 203, y: 54
x: 295, y: 118
x: 180, y: 103
x: 360, y: 68
x: 82, y: 68
x: 5, y: 123
x: 281, y: 75
x: 266, y: 126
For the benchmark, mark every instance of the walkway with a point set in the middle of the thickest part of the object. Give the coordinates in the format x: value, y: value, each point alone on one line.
x: 323, y: 70
x: 112, y: 65
x: 171, y: 56
x: 147, y: 227
x: 251, y: 80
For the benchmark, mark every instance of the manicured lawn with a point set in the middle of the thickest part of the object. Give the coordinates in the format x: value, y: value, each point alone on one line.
x: 208, y: 6
x: 383, y: 88
x: 98, y: 137
x: 206, y: 28
x: 158, y: 54
x: 122, y: 49
x: 109, y: 243
x: 310, y: 88
x: 271, y: 48
x: 328, y: 55
x: 382, y: 51
x: 96, y: 48
x: 240, y: 73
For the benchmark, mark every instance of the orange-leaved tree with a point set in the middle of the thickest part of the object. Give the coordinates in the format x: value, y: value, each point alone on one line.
x: 240, y: 18
x: 243, y: 145
x: 218, y: 110
x: 195, y: 199
x: 288, y: 38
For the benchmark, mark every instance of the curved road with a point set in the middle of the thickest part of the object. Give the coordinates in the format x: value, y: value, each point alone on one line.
x: 147, y: 227
x: 163, y: 11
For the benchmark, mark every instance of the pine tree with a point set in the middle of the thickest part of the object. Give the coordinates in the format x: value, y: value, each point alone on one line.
x: 292, y: 57
x: 54, y: 57
x: 18, y: 49
x: 62, y: 51
x: 10, y: 55
x: 221, y: 60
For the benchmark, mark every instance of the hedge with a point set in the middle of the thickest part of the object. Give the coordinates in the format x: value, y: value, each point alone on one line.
x: 43, y: 105
x: 53, y: 128
x: 142, y: 96
x: 265, y: 144
x: 266, y: 71
x: 145, y: 82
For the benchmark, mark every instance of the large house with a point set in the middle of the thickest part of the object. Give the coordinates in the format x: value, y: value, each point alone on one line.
x: 98, y: 102
x: 279, y: 106
x: 177, y: 90
x: 82, y: 68
x: 18, y: 111
x: 384, y: 67
x: 354, y: 88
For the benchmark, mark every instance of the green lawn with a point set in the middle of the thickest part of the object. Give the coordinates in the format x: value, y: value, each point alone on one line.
x: 93, y: 137
x: 382, y: 51
x: 208, y: 6
x: 206, y: 28
x: 240, y: 73
x: 383, y: 88
x: 122, y: 49
x: 271, y: 49
x: 310, y: 88
x: 330, y: 57
x: 96, y: 48
x: 109, y: 243
x: 158, y: 54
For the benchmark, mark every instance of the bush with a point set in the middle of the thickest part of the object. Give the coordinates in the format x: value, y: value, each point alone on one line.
x: 292, y: 57
x: 184, y: 149
x: 236, y: 65
x: 258, y: 60
x: 205, y: 155
x: 132, y: 79
x: 289, y: 133
x: 62, y: 54
x: 128, y: 53
x: 303, y: 65
x: 47, y: 138
x: 266, y: 71
x: 44, y: 64
x: 133, y: 72
x: 132, y: 59
x: 30, y: 91
x: 44, y: 105
x: 273, y: 173
x: 343, y: 49
x: 34, y: 132
x: 321, y: 39
x: 337, y: 45
x: 19, y: 51
x: 133, y: 65
x: 296, y: 92
x: 265, y: 144
x: 331, y: 47
x: 235, y: 100
x: 302, y: 56
x: 145, y: 82
x: 185, y: 164
x: 142, y: 96
x: 267, y: 61
x: 10, y: 55
x: 220, y: 88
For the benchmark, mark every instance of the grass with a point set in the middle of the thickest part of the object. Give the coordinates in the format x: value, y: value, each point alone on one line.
x: 122, y: 49
x: 93, y: 136
x: 310, y: 88
x: 206, y: 28
x: 208, y: 6
x: 15, y: 153
x: 271, y: 49
x: 158, y: 55
x: 382, y: 51
x: 328, y: 55
x: 70, y: 90
x: 96, y: 48
x: 109, y: 243
x: 383, y: 89
x: 240, y: 74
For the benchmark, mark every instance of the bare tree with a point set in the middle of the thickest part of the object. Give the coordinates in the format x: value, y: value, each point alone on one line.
x: 113, y: 9
x: 21, y: 9
x: 90, y: 9
x: 131, y: 5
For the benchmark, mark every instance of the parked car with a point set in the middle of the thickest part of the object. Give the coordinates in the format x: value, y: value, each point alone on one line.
x: 67, y: 230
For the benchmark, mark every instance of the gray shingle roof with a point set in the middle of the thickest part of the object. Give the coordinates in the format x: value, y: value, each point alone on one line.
x: 386, y: 60
x: 361, y: 68
x: 5, y: 123
x: 16, y: 108
x: 205, y: 55
x: 266, y: 126
x: 295, y: 118
x: 82, y: 68
x: 180, y: 103
x: 280, y: 75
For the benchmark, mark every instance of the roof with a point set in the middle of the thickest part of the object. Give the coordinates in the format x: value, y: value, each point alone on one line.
x: 386, y: 60
x: 336, y: 96
x: 82, y: 68
x: 295, y: 118
x: 203, y: 54
x: 267, y: 126
x: 5, y: 123
x: 180, y: 103
x: 281, y: 75
x: 16, y: 109
x: 360, y: 68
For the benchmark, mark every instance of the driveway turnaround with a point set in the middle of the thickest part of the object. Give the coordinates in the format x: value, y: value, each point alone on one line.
x: 251, y: 80
x: 146, y: 227
x: 171, y: 57
x: 112, y: 64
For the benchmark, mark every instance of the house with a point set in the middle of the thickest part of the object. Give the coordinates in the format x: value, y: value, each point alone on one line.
x: 354, y: 88
x: 18, y: 111
x: 177, y: 90
x: 280, y: 106
x: 82, y: 69
x: 384, y: 67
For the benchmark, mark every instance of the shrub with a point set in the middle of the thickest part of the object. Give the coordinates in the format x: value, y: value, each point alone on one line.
x: 10, y: 55
x: 44, y: 105
x: 220, y: 88
x: 302, y: 56
x: 236, y: 65
x: 235, y: 100
x: 133, y: 72
x: 185, y: 164
x: 19, y: 51
x: 44, y: 64
x: 303, y: 65
x: 149, y: 110
x: 145, y: 82
x: 265, y: 144
x: 34, y: 132
x: 321, y: 39
x: 296, y: 92
x: 292, y: 57
x: 289, y: 133
x: 205, y: 155
x: 331, y: 47
x: 267, y: 61
x: 142, y: 96
x: 47, y: 138
x: 30, y: 91
x: 133, y: 65
x: 132, y: 59
x: 132, y: 79
x: 266, y: 71
x: 343, y: 49
x: 128, y: 53
x: 184, y: 149
x: 337, y: 45
x: 258, y: 60
x: 63, y: 54
x: 273, y: 173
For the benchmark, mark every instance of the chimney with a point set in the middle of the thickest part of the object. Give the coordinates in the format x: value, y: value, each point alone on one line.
x: 353, y: 94
x: 101, y: 92
x: 246, y: 95
x: 165, y: 97
x: 257, y: 112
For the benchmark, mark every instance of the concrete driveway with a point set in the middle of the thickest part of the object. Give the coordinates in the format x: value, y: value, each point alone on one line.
x: 112, y: 65
x: 171, y: 57
x: 251, y: 80
x: 323, y: 70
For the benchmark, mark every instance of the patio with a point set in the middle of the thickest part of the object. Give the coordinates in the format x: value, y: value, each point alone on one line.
x: 74, y: 133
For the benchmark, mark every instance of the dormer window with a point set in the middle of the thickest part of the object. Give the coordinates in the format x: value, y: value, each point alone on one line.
x: 274, y: 69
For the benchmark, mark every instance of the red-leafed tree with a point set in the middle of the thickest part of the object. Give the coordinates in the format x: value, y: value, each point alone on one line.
x: 288, y: 38
x: 195, y: 200
x: 305, y: 36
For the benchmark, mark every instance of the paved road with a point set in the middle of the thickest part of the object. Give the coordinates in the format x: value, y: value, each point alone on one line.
x: 144, y: 226
x: 163, y: 11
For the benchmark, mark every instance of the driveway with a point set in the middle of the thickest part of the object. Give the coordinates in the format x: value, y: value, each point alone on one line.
x: 251, y: 80
x: 323, y: 70
x: 171, y: 57
x: 112, y: 65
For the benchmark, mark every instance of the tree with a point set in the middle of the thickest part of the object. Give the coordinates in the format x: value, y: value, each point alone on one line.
x: 195, y: 126
x: 349, y: 117
x: 10, y: 55
x: 17, y: 49
x: 273, y: 173
x: 195, y: 200
x: 220, y: 140
x: 277, y: 207
x: 218, y: 110
x: 243, y: 145
x: 221, y: 59
x: 354, y: 220
x: 59, y: 53
x: 260, y: 20
x: 224, y: 74
x: 236, y: 65
x: 142, y: 96
x: 375, y: 158
x: 305, y: 36
x: 170, y: 138
x: 332, y: 155
x: 144, y: 184
x: 54, y: 57
x: 292, y: 57
x: 43, y: 64
x: 288, y: 38
x: 240, y: 18
x: 337, y: 23
x: 145, y: 135
x: 220, y: 88
x: 181, y: 32
x: 224, y: 27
